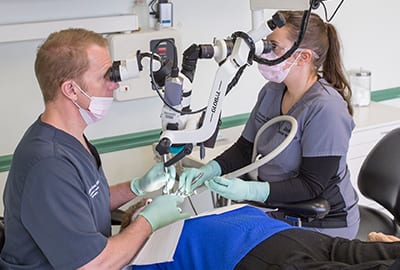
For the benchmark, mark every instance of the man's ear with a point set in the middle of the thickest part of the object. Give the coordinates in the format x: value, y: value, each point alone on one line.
x: 68, y: 89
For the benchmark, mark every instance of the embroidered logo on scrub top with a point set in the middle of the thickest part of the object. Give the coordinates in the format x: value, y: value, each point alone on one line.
x: 94, y: 190
x: 284, y: 129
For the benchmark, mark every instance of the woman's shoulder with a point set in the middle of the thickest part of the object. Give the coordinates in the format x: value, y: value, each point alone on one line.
x: 324, y: 102
x: 324, y: 95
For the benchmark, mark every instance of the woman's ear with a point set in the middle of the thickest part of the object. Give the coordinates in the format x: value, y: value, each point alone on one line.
x: 305, y: 57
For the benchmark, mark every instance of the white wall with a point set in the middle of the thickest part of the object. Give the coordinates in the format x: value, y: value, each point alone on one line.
x: 369, y: 31
x: 360, y: 23
x: 22, y: 102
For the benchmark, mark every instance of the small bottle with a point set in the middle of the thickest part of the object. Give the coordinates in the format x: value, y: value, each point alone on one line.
x: 141, y: 9
x: 360, y: 82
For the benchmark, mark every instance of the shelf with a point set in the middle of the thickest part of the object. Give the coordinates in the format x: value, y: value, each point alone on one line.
x: 40, y: 30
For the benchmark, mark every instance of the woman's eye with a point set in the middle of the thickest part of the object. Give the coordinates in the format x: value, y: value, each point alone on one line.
x: 275, y: 48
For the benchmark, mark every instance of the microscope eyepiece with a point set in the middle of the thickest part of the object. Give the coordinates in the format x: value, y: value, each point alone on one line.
x: 114, y: 72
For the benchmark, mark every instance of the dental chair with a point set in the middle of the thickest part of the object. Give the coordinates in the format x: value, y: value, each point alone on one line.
x: 1, y: 233
x: 379, y: 180
x: 298, y: 212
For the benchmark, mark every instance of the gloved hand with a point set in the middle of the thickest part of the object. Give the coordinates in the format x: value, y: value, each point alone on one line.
x: 153, y: 180
x: 238, y: 189
x: 208, y: 171
x: 163, y: 210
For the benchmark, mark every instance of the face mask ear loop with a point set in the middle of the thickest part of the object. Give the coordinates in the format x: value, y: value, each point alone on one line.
x: 297, y: 57
x: 83, y: 92
x: 80, y: 89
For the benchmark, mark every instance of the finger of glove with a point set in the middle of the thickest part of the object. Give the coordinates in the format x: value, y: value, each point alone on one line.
x: 217, y: 184
x: 155, y: 183
x: 136, y: 186
x: 185, y: 180
x: 172, y: 172
x: 159, y: 211
x: 198, y: 183
x: 228, y: 188
x: 168, y: 210
x: 177, y: 199
x: 174, y: 212
x: 222, y: 181
x: 156, y: 169
x: 151, y: 174
x: 171, y: 179
x: 169, y: 199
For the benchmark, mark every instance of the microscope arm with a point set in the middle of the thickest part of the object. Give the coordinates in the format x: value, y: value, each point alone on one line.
x: 232, y: 62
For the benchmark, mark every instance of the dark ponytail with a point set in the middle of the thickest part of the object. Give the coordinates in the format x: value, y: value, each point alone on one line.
x: 332, y: 68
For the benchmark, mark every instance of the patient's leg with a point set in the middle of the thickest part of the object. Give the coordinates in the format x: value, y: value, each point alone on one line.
x: 304, y: 249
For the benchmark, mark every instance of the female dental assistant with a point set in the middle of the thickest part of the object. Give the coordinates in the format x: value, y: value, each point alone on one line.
x: 310, y: 86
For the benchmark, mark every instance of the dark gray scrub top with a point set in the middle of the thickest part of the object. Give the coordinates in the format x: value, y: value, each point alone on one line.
x: 57, y: 203
x: 324, y: 129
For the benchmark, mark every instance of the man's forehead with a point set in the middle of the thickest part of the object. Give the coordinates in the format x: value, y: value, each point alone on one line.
x: 98, y: 55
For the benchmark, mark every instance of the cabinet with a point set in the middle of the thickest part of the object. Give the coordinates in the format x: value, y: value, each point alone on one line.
x: 372, y: 123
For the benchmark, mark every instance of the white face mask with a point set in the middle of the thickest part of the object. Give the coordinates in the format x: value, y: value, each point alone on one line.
x: 98, y: 107
x: 276, y: 73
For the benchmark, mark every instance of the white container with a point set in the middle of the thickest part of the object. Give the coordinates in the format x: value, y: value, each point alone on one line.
x: 360, y: 82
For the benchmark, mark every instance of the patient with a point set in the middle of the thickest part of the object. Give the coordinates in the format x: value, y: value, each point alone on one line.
x: 247, y: 239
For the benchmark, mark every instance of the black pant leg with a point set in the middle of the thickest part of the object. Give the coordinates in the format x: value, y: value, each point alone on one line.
x: 283, y: 250
x: 302, y: 249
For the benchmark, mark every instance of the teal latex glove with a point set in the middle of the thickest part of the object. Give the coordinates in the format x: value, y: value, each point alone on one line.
x: 153, y: 180
x: 238, y: 189
x: 192, y: 178
x: 163, y: 210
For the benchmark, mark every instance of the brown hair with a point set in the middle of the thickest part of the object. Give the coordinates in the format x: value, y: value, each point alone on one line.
x: 63, y: 57
x: 127, y: 215
x: 323, y: 39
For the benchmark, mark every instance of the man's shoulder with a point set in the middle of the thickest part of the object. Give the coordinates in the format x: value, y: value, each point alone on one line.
x: 42, y: 142
x: 36, y: 141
